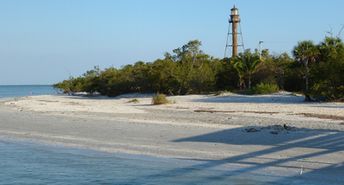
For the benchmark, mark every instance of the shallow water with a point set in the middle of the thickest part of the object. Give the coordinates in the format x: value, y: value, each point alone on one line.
x: 32, y: 163
x: 7, y: 91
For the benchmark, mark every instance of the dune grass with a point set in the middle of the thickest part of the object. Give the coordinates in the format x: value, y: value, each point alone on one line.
x: 160, y: 99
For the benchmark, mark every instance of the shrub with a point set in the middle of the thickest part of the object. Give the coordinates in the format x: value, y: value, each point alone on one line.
x: 227, y: 76
x: 265, y: 88
x: 328, y: 80
x: 160, y: 99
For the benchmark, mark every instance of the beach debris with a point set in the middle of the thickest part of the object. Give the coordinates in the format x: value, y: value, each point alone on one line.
x: 322, y: 116
x: 133, y: 101
x: 252, y: 129
x: 277, y: 129
x: 182, y: 108
x: 302, y: 169
x: 273, y: 129
x: 230, y: 111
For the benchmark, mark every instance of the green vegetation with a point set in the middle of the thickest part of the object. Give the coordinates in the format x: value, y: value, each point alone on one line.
x: 323, y: 69
x: 265, y: 88
x: 160, y: 99
x: 246, y: 64
x: 317, y: 70
x: 134, y: 101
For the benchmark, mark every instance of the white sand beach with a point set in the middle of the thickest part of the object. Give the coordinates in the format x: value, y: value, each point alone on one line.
x: 278, y: 134
x: 281, y: 106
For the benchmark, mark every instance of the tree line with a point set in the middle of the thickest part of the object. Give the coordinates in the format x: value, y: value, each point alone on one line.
x: 317, y: 70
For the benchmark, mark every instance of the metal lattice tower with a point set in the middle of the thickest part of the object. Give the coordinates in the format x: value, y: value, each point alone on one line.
x: 235, y: 33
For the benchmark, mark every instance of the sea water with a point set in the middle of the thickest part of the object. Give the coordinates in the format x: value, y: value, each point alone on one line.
x: 7, y: 91
x: 23, y: 162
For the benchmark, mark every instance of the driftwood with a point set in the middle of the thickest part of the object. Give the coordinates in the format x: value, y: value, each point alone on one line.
x: 322, y: 116
x: 226, y: 111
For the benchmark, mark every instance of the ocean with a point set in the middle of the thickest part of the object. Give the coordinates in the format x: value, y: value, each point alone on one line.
x: 23, y: 162
x: 8, y: 91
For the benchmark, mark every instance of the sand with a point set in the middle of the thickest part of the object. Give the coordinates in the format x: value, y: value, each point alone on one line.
x: 276, y: 134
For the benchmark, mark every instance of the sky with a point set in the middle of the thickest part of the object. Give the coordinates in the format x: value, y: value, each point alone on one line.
x: 46, y: 41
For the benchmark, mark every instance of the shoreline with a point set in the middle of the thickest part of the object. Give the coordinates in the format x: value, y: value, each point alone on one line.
x: 12, y: 139
x: 224, y: 135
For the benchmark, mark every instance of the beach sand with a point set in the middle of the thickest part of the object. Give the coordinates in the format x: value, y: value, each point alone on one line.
x: 276, y: 134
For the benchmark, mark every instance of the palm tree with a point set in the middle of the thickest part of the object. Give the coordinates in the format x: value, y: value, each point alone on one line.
x: 330, y: 48
x: 238, y: 65
x: 306, y: 53
x: 246, y: 64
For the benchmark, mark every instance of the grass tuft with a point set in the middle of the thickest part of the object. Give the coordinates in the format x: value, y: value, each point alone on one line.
x: 160, y: 99
x: 134, y: 101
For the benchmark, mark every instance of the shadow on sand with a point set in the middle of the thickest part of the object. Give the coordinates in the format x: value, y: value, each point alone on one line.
x: 278, y: 98
x: 319, y: 143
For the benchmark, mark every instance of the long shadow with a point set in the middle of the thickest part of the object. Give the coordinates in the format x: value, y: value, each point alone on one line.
x: 101, y: 97
x: 278, y: 99
x: 335, y: 171
x: 270, y: 135
x: 324, y: 142
x: 328, y: 143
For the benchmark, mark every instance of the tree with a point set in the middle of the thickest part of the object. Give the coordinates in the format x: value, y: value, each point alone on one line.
x: 328, y: 73
x: 306, y: 53
x: 141, y: 76
x: 246, y: 64
x: 163, y: 76
x: 90, y: 83
x: 188, y: 70
x: 191, y: 49
x: 227, y: 77
x: 330, y: 48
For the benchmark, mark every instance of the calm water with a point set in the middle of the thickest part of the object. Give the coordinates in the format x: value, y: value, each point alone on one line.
x: 28, y: 163
x: 25, y: 90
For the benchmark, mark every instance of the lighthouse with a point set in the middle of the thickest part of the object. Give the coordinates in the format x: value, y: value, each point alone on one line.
x: 234, y: 21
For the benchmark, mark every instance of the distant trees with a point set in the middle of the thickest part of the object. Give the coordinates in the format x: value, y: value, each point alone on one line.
x: 323, y: 68
x: 184, y: 71
x: 187, y: 70
x: 328, y: 73
x: 316, y: 70
x: 227, y: 77
x: 306, y: 53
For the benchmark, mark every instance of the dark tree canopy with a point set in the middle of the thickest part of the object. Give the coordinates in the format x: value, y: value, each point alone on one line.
x: 316, y: 70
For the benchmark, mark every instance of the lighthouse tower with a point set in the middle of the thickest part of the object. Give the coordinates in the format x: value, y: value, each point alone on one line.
x: 234, y: 20
x: 234, y: 31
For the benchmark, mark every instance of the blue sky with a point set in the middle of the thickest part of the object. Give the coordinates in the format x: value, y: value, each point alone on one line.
x: 45, y: 41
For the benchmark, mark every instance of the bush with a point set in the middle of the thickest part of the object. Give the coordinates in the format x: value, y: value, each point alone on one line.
x: 160, y: 99
x: 227, y: 76
x: 265, y: 88
x: 328, y: 82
